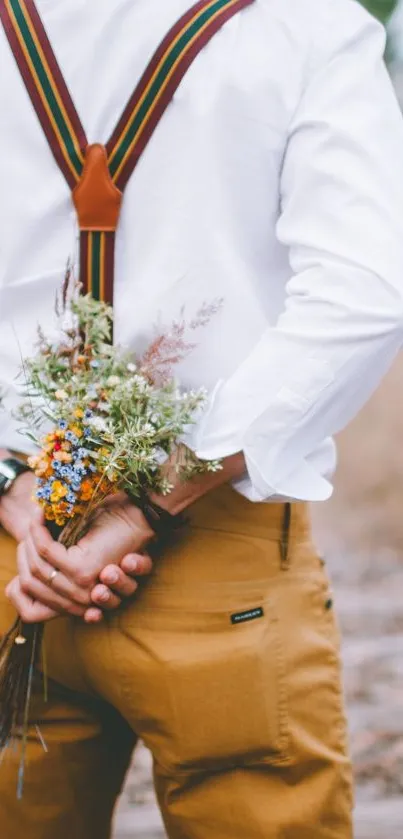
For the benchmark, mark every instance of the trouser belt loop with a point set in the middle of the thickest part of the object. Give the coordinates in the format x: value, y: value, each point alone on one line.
x: 285, y: 536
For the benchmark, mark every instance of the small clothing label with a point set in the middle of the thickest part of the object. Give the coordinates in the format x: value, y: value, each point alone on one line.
x: 250, y: 615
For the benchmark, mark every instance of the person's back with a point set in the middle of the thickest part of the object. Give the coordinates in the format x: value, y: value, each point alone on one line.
x: 271, y: 191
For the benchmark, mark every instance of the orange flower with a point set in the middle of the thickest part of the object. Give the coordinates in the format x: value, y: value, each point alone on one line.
x: 33, y: 461
x: 42, y: 468
x: 63, y: 457
x: 87, y: 490
x: 106, y: 487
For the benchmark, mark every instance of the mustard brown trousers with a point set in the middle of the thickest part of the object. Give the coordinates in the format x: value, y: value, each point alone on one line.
x: 226, y: 664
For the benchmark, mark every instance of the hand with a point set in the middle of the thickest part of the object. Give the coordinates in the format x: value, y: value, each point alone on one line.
x: 119, y: 530
x: 182, y: 496
x: 116, y: 585
x: 17, y: 507
x: 185, y: 493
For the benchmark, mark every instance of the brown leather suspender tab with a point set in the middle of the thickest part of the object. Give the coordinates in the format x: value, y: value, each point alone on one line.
x: 96, y: 198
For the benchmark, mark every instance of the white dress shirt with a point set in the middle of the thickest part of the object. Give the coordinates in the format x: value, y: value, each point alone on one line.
x: 274, y: 182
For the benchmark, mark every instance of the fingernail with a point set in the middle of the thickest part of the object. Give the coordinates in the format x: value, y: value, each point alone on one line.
x: 104, y: 596
x: 111, y: 576
x: 131, y: 564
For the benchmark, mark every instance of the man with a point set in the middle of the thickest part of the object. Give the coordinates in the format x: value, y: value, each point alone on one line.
x: 273, y: 183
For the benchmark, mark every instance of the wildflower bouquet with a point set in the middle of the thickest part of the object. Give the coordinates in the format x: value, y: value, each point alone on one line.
x: 104, y: 422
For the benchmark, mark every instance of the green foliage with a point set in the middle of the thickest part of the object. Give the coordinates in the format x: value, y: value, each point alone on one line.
x: 381, y: 9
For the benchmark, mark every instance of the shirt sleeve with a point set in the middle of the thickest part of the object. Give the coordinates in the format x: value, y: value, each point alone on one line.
x: 10, y: 393
x: 342, y: 220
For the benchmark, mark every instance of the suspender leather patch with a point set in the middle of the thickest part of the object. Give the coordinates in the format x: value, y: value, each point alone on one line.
x: 249, y: 615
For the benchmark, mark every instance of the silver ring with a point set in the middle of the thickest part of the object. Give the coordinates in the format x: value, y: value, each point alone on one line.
x: 52, y: 577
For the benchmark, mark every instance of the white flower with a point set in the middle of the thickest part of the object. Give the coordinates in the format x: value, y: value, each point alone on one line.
x: 104, y: 406
x: 131, y: 367
x: 92, y: 393
x: 61, y: 395
x: 98, y: 423
x: 113, y: 381
x: 140, y: 383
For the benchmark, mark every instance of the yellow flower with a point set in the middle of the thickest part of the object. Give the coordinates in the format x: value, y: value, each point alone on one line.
x: 76, y: 430
x: 79, y: 413
x: 61, y: 395
x: 59, y: 491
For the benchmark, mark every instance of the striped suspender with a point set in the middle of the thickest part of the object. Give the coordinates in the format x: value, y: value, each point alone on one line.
x: 97, y: 175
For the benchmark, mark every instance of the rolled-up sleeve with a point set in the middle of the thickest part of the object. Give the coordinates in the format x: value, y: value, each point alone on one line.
x: 342, y: 220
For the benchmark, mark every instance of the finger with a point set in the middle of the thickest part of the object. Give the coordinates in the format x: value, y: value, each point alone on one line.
x: 60, y: 584
x: 136, y: 565
x: 38, y: 567
x: 29, y: 611
x: 78, y: 565
x: 103, y: 597
x: 52, y: 552
x: 34, y: 588
x: 93, y: 615
x: 115, y: 579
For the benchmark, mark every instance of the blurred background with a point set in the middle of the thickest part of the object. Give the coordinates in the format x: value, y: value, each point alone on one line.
x: 360, y: 532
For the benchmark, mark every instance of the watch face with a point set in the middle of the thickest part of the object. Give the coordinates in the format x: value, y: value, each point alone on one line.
x: 3, y: 483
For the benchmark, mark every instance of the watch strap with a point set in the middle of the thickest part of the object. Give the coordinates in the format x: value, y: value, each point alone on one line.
x: 164, y: 524
x: 10, y: 469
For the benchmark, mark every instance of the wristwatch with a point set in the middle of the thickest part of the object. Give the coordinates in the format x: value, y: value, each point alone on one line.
x: 10, y: 469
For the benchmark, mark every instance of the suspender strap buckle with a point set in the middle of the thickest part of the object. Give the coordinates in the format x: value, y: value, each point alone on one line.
x: 96, y: 198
